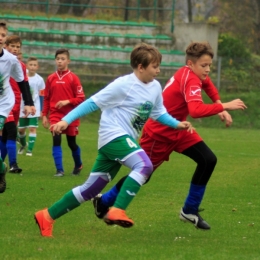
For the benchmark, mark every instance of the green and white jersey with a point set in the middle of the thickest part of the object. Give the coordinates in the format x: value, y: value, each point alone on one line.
x: 126, y: 104
x: 36, y: 83
x: 9, y: 67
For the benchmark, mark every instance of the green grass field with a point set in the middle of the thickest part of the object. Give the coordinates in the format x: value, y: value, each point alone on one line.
x: 231, y: 206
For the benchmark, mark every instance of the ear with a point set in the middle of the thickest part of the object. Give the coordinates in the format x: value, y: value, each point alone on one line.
x: 140, y: 67
x: 189, y: 63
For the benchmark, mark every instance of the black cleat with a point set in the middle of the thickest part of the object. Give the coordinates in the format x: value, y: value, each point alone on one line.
x: 100, y: 209
x: 194, y: 219
x: 15, y: 169
x: 76, y: 171
x: 2, y: 180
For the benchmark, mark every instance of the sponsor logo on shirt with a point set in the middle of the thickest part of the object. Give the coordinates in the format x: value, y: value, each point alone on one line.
x: 195, y: 91
x: 80, y: 90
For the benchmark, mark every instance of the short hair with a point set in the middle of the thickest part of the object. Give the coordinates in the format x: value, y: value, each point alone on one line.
x: 13, y: 39
x: 32, y: 59
x: 3, y: 25
x: 196, y: 49
x: 144, y: 54
x: 62, y: 51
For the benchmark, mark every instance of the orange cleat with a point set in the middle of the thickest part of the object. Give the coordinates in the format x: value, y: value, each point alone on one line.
x: 116, y: 216
x: 45, y: 222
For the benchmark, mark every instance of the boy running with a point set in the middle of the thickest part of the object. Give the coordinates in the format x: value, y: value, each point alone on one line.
x: 126, y: 104
x: 182, y: 97
x: 10, y: 67
x: 63, y: 93
x: 36, y: 85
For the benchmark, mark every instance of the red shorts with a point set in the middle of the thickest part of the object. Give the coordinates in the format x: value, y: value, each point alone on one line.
x: 14, y: 115
x: 71, y: 130
x: 159, y: 151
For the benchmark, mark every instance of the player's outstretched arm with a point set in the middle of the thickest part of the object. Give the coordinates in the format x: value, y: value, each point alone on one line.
x: 236, y: 104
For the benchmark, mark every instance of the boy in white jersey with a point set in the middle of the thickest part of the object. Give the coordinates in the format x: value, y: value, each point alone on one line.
x: 10, y: 67
x: 37, y: 84
x: 126, y: 104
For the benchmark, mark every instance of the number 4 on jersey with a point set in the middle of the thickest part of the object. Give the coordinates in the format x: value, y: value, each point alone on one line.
x: 131, y: 143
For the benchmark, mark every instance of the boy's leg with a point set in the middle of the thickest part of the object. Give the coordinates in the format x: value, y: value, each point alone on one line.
x: 10, y: 130
x: 97, y: 180
x: 76, y: 154
x: 3, y: 167
x: 23, y: 124
x: 33, y: 124
x: 206, y: 161
x: 57, y: 155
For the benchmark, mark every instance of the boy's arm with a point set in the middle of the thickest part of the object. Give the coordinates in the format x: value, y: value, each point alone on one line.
x: 210, y: 89
x: 79, y: 95
x: 46, y: 100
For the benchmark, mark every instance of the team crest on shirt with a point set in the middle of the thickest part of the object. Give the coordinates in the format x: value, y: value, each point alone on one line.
x: 195, y: 91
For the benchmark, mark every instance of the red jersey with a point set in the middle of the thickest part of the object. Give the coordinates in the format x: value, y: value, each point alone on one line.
x: 62, y: 85
x: 182, y: 97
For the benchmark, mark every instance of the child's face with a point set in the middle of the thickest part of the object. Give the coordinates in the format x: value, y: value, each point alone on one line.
x: 32, y: 66
x: 201, y: 67
x: 3, y: 36
x: 14, y: 48
x: 62, y: 62
x: 150, y: 73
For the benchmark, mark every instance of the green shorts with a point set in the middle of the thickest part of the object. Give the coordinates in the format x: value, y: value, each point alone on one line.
x: 113, y: 153
x: 28, y: 122
x: 2, y: 122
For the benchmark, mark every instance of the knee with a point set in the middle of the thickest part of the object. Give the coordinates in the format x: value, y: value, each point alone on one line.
x: 211, y: 159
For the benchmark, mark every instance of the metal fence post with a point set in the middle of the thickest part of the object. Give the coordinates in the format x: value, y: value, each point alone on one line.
x: 219, y: 72
x: 172, y: 17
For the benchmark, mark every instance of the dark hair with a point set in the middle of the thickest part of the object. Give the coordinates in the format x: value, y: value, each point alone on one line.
x: 62, y: 51
x: 196, y: 49
x: 3, y: 25
x: 13, y: 39
x: 144, y: 54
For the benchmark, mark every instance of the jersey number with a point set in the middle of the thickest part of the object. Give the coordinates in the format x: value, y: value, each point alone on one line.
x: 131, y: 143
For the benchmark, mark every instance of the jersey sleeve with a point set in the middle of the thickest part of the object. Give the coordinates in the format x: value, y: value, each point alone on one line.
x: 46, y: 100
x: 79, y: 95
x: 210, y: 89
x: 17, y: 71
x: 110, y: 96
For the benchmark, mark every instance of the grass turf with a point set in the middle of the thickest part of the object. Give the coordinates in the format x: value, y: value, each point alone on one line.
x: 231, y: 206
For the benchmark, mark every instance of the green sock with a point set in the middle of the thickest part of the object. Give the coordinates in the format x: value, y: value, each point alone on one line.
x: 67, y: 203
x: 32, y: 138
x: 22, y: 139
x: 127, y: 192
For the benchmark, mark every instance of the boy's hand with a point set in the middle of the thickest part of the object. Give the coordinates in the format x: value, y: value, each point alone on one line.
x: 27, y: 110
x: 45, y: 122
x: 62, y: 103
x: 58, y: 127
x: 235, y: 104
x: 226, y: 117
x: 33, y: 110
x: 186, y: 125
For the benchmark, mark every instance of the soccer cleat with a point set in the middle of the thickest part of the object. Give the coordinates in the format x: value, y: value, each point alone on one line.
x: 21, y: 150
x: 194, y: 219
x: 76, y: 171
x: 43, y: 219
x: 15, y: 168
x: 28, y: 153
x: 116, y: 216
x: 59, y: 174
x: 2, y: 179
x: 100, y: 209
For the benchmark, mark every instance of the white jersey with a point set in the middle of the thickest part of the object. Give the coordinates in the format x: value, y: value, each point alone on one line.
x: 36, y: 83
x: 9, y: 67
x: 126, y: 104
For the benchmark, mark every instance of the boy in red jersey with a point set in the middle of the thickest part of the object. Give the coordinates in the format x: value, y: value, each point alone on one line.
x: 63, y: 92
x: 9, y: 134
x: 182, y: 97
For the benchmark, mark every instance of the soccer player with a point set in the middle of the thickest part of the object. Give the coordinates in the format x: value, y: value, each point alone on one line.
x: 63, y: 92
x: 10, y: 66
x: 37, y: 84
x: 9, y: 135
x: 182, y: 97
x: 126, y: 104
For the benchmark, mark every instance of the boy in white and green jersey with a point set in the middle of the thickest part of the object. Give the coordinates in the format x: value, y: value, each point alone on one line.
x: 10, y: 67
x: 37, y: 84
x: 126, y: 104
